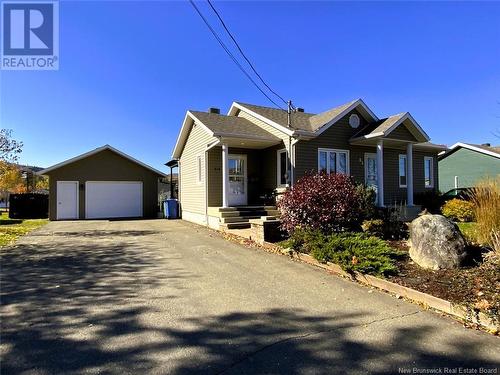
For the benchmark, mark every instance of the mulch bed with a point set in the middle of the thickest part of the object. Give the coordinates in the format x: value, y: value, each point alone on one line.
x: 476, y: 285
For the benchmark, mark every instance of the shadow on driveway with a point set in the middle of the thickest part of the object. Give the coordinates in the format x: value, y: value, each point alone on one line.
x: 80, y: 308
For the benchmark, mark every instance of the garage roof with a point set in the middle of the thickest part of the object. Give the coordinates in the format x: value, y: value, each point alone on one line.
x: 97, y: 150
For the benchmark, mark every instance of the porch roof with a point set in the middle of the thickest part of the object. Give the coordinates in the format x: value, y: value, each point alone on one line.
x: 233, y: 127
x: 383, y: 129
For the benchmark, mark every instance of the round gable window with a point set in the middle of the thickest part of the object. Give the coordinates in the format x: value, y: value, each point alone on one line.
x: 354, y: 121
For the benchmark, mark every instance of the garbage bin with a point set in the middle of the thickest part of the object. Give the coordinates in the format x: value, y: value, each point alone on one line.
x: 171, y: 209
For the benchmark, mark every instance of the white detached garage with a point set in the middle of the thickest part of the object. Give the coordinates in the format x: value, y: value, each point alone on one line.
x: 104, y: 183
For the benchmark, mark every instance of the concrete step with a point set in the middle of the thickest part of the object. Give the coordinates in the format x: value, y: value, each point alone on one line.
x: 242, y: 213
x: 235, y: 226
x: 238, y: 219
x: 273, y: 212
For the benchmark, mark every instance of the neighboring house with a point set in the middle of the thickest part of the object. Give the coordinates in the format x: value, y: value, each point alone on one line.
x: 238, y: 158
x: 464, y: 164
x: 102, y: 183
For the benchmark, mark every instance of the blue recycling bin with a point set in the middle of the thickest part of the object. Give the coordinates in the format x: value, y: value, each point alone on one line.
x: 171, y: 209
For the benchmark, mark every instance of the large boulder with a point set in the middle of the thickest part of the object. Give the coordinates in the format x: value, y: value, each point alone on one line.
x: 436, y: 242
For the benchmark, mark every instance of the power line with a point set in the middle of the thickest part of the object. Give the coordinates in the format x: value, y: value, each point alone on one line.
x: 226, y: 49
x: 242, y: 53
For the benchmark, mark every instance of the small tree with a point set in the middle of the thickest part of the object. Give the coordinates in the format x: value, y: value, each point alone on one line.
x: 329, y: 203
x: 9, y: 148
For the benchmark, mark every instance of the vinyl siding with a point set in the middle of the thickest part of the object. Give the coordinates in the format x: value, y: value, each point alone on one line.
x: 337, y: 137
x: 402, y: 133
x: 192, y: 192
x: 104, y: 166
x: 470, y: 167
x: 261, y: 172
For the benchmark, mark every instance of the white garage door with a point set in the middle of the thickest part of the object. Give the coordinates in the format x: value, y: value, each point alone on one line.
x: 108, y: 199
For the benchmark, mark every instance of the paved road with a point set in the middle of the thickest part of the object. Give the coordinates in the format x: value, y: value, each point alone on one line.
x: 167, y: 297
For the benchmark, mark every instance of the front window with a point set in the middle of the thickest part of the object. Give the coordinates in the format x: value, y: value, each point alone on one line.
x: 282, y: 168
x: 402, y: 170
x: 429, y: 172
x: 333, y: 161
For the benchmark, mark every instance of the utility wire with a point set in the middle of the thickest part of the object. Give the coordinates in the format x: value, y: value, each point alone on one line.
x: 242, y: 53
x: 226, y: 49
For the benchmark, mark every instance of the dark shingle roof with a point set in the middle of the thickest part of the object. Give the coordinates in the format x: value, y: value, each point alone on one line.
x: 380, y: 126
x: 232, y: 125
x: 299, y: 120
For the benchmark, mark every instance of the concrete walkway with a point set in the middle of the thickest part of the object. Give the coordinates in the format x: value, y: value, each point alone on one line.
x: 168, y: 297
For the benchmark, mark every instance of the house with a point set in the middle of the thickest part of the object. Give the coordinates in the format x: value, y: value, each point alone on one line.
x: 100, y: 184
x: 464, y: 164
x: 229, y: 162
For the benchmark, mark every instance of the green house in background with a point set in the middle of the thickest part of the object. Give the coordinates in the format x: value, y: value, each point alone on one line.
x: 464, y: 164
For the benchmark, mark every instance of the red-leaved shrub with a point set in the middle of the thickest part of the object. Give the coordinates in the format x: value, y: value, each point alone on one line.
x: 329, y: 203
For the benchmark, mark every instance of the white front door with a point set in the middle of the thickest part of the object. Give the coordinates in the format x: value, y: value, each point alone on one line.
x: 371, y: 172
x: 237, y: 195
x: 67, y: 200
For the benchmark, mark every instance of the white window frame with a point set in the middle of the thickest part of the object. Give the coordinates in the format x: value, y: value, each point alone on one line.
x: 403, y: 156
x: 199, y: 169
x: 278, y: 167
x: 431, y: 177
x: 337, y: 151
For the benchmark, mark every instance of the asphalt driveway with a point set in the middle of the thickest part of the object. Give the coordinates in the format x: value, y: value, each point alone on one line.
x: 168, y: 297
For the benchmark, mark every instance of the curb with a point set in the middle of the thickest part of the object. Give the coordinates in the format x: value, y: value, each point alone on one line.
x: 427, y: 300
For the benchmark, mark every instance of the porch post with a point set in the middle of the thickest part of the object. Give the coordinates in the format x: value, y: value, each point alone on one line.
x: 409, y: 174
x: 380, y: 173
x: 225, y: 175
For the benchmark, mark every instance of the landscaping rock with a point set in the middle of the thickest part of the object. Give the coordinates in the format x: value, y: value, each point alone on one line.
x: 436, y: 243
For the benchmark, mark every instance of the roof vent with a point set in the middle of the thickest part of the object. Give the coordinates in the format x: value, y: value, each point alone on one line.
x: 214, y: 110
x: 486, y: 144
x: 300, y: 109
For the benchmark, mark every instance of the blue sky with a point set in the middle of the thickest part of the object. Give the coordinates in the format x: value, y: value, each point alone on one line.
x: 129, y: 70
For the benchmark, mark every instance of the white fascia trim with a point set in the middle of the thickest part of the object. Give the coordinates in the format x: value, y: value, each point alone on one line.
x: 474, y: 148
x: 182, y: 137
x: 368, y: 136
x: 260, y: 117
x: 354, y: 105
x: 97, y: 150
x: 408, y: 116
x: 213, y: 144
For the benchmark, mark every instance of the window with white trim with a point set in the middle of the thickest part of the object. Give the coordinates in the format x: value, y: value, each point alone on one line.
x: 282, y: 168
x: 403, y: 170
x: 428, y: 171
x: 333, y: 161
x: 199, y: 170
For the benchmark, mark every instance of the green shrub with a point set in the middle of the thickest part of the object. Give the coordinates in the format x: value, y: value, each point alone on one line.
x: 388, y: 225
x: 351, y: 251
x: 374, y: 227
x: 368, y: 196
x: 458, y: 210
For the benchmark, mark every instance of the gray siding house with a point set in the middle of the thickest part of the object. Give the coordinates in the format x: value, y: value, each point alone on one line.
x: 238, y: 159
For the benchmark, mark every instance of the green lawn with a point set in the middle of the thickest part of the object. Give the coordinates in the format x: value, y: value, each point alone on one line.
x: 469, y: 231
x: 11, y: 229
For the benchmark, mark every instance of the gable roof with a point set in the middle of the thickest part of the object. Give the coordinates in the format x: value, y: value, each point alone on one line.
x: 483, y: 149
x: 384, y: 127
x: 95, y: 151
x: 231, y: 126
x: 220, y: 126
x: 303, y: 121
